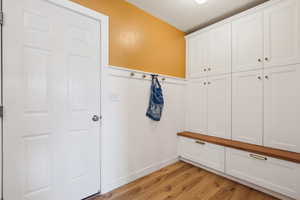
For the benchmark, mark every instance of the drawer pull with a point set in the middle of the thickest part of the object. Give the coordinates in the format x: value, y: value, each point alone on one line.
x: 200, y: 142
x: 258, y: 157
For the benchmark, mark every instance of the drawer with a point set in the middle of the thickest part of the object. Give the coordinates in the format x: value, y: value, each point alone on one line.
x: 207, y: 154
x: 274, y: 174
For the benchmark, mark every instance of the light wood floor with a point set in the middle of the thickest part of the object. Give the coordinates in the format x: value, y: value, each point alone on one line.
x: 182, y: 181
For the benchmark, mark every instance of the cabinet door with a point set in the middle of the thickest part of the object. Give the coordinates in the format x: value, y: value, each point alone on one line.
x: 219, y: 106
x: 198, y: 55
x: 197, y: 106
x: 247, y: 42
x: 247, y: 107
x: 220, y: 50
x: 282, y: 33
x: 209, y: 155
x: 274, y: 174
x: 282, y: 108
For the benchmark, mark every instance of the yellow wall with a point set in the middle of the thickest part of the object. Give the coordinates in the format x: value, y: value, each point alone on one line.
x: 139, y: 40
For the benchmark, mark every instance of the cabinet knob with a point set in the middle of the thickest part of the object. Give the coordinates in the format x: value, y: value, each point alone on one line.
x: 209, y: 69
x: 208, y: 83
x: 266, y: 59
x: 204, y: 83
x: 259, y: 60
x: 259, y: 78
x: 204, y: 69
x: 266, y: 77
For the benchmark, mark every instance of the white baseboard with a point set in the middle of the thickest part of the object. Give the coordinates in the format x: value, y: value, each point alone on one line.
x: 136, y: 175
x: 251, y: 185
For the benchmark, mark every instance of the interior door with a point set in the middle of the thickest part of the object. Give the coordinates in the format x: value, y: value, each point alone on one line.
x: 220, y: 50
x: 219, y: 106
x: 282, y: 108
x: 247, y: 42
x: 282, y: 33
x: 247, y: 107
x: 197, y: 106
x: 51, y: 92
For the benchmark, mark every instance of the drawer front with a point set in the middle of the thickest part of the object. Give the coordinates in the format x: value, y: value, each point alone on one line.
x: 204, y: 153
x: 277, y: 175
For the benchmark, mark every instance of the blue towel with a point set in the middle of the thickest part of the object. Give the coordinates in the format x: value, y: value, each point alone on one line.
x: 156, y: 102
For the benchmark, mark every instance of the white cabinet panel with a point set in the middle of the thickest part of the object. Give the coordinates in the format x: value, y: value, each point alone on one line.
x: 247, y: 107
x: 209, y: 155
x: 197, y: 106
x: 282, y: 108
x: 282, y: 33
x: 277, y: 175
x: 198, y: 55
x: 219, y: 106
x: 247, y: 42
x: 220, y: 50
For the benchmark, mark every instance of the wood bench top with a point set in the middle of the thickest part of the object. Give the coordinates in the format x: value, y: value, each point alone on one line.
x: 267, y: 151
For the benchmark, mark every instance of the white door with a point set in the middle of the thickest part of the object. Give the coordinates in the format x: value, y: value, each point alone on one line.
x: 247, y: 107
x: 51, y: 92
x: 220, y: 50
x: 282, y: 108
x: 196, y: 99
x: 282, y: 33
x: 198, y: 55
x: 219, y: 106
x: 247, y: 42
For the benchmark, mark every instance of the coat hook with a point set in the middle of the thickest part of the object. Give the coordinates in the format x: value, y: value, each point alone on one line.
x: 132, y: 74
x: 144, y: 76
x: 163, y: 79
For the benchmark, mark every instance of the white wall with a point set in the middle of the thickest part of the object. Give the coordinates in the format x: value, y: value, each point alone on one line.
x: 132, y: 144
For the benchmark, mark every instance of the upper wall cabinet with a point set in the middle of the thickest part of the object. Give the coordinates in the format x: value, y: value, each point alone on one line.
x: 247, y: 42
x: 220, y: 50
x: 209, y: 53
x: 198, y: 55
x: 282, y: 33
x: 267, y: 38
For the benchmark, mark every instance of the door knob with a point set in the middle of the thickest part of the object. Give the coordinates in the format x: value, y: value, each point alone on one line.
x: 96, y: 118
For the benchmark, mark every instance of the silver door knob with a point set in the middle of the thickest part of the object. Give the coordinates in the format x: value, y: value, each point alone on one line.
x: 96, y: 118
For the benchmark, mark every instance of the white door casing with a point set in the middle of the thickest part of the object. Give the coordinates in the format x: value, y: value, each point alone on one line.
x: 51, y: 88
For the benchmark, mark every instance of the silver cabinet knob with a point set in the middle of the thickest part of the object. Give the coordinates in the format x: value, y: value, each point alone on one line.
x: 266, y: 77
x: 204, y: 69
x: 266, y: 59
x: 259, y: 78
x: 259, y: 60
x: 96, y: 118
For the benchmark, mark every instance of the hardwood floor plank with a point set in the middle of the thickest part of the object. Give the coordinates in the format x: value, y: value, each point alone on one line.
x: 182, y: 181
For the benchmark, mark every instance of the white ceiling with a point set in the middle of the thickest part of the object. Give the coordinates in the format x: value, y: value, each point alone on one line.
x: 186, y: 15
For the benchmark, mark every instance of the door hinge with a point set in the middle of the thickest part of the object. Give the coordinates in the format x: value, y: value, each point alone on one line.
x: 1, y: 18
x: 1, y: 111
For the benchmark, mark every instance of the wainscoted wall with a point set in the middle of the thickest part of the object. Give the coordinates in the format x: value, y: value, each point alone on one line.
x: 139, y: 40
x: 132, y: 144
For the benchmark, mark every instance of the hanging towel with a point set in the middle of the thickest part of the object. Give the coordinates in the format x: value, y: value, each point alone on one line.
x: 156, y: 102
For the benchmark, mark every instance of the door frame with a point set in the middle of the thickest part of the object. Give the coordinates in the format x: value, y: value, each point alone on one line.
x: 103, y: 64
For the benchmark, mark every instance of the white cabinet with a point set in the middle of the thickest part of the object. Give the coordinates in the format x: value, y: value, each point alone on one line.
x: 282, y: 108
x: 277, y: 175
x: 198, y: 55
x: 247, y: 42
x: 209, y: 52
x: 220, y: 50
x: 209, y: 155
x: 209, y: 105
x: 282, y: 33
x: 196, y: 100
x: 219, y: 106
x: 267, y: 38
x: 247, y: 107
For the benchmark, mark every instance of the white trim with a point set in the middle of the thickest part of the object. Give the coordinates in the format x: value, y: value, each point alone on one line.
x: 138, y: 74
x: 137, y: 174
x: 251, y: 185
x: 258, y: 8
x: 104, y: 57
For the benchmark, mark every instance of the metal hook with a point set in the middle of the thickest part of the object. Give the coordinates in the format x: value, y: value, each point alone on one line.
x: 144, y: 76
x: 132, y: 74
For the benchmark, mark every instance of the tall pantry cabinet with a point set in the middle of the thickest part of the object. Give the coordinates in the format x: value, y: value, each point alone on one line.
x: 244, y: 79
